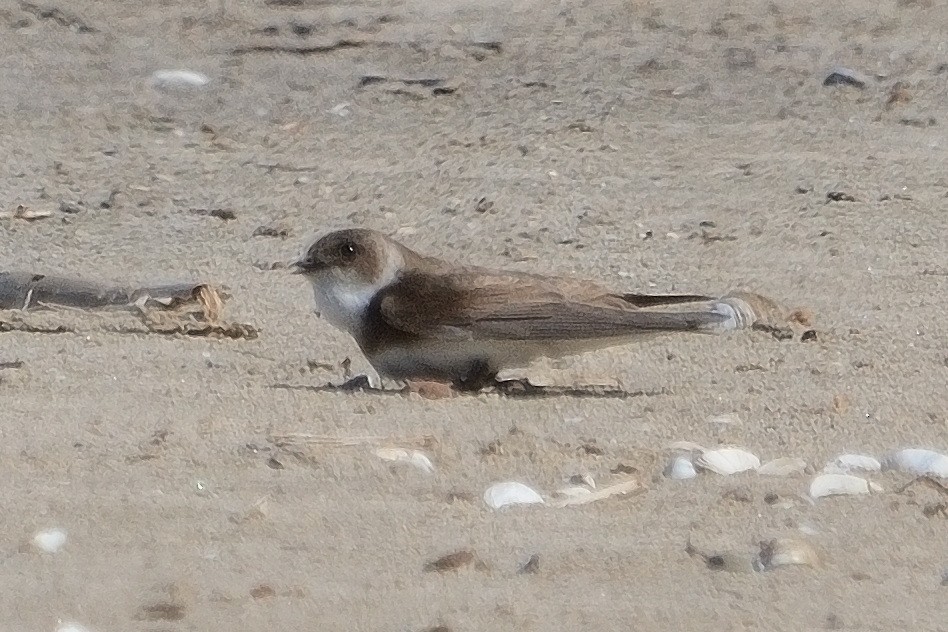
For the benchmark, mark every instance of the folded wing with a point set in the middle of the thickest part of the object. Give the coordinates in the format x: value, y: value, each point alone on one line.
x: 526, y: 307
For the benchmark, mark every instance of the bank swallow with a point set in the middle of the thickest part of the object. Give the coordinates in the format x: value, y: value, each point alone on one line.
x: 421, y: 318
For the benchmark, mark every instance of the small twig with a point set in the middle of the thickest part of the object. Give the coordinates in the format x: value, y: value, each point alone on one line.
x: 306, y: 50
x: 6, y: 326
x: 299, y: 438
x: 275, y: 166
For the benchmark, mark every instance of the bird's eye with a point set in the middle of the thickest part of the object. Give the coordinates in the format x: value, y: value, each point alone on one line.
x: 347, y: 249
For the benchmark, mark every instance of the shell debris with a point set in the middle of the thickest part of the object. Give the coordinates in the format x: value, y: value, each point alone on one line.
x: 787, y: 552
x: 617, y: 489
x: 571, y: 493
x: 500, y: 495
x: 845, y: 463
x: 415, y: 458
x: 784, y: 466
x: 841, y: 485
x: 917, y: 462
x: 727, y: 461
x: 584, y: 478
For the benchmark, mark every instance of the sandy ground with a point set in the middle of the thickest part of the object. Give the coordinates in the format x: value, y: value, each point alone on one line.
x: 559, y: 136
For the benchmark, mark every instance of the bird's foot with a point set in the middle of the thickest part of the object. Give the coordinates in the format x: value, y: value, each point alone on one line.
x: 430, y: 389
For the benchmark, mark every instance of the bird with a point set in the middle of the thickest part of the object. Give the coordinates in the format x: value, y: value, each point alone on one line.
x: 421, y: 318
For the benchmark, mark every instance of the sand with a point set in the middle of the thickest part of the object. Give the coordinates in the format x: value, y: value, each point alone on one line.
x: 590, y: 139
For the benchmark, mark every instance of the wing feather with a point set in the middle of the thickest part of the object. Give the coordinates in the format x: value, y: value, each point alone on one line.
x: 527, y: 307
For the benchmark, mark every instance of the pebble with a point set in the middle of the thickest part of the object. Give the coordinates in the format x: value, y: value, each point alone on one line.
x: 840, y: 76
x: 50, y: 540
x: 450, y: 562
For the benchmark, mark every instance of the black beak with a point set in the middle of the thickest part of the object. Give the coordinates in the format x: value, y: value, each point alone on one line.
x: 305, y: 265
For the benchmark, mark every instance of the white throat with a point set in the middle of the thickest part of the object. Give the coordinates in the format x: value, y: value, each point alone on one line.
x: 343, y: 305
x: 343, y: 302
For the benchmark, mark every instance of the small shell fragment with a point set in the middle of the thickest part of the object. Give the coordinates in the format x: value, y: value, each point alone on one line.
x: 680, y: 469
x: 726, y: 461
x: 784, y: 466
x: 572, y: 492
x: 917, y: 462
x: 179, y: 79
x: 727, y: 419
x: 846, y: 463
x: 25, y: 213
x: 841, y: 485
x: 787, y: 552
x: 71, y: 627
x: 501, y: 495
x: 50, y: 540
x: 576, y: 498
x: 583, y: 479
x: 686, y: 446
x: 414, y: 458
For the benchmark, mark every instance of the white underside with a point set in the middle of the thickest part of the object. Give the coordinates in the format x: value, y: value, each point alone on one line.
x: 453, y: 360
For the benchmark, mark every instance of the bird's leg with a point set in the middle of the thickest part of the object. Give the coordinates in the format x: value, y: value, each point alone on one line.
x: 479, y: 375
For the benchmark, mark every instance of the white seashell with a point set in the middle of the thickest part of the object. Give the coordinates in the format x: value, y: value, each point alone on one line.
x: 71, y: 627
x: 841, y: 485
x: 785, y: 466
x: 726, y: 461
x: 917, y: 462
x: 422, y: 462
x: 680, y: 468
x: 50, y: 540
x: 411, y: 457
x: 787, y: 552
x: 845, y: 463
x: 179, y: 79
x: 507, y: 493
x: 579, y: 498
